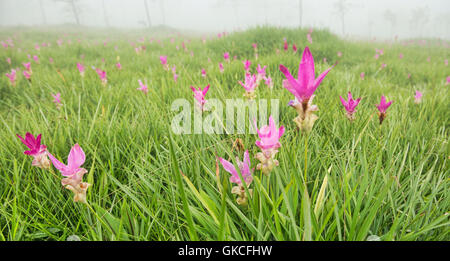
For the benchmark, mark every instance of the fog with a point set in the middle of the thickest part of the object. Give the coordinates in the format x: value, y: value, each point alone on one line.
x: 381, y: 19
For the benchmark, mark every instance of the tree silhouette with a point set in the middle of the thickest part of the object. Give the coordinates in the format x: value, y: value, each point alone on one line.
x: 391, y: 18
x: 341, y: 8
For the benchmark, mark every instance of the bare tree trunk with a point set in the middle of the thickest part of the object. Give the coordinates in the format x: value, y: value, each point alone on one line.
x: 161, y: 5
x: 44, y: 18
x: 75, y: 12
x: 104, y: 14
x: 149, y: 22
x: 300, y: 12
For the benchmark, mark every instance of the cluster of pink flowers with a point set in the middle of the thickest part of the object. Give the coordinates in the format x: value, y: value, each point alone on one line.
x: 72, y: 172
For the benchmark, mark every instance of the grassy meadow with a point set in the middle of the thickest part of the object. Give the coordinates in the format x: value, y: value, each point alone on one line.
x: 349, y: 181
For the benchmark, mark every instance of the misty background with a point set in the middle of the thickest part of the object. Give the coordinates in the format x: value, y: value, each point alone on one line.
x: 382, y: 19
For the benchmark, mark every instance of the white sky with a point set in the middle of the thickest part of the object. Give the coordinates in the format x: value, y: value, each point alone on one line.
x: 364, y: 18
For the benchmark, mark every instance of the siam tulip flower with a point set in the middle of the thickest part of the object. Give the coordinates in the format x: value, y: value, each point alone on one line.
x: 303, y: 89
x: 377, y: 56
x: 37, y: 47
x: 59, y: 42
x: 269, y: 144
x: 37, y: 150
x: 268, y: 81
x: 73, y: 173
x: 409, y: 75
x: 221, y: 67
x: 383, y: 66
x: 36, y: 58
x: 192, y: 54
x: 246, y: 172
x: 249, y: 85
x: 448, y: 81
x: 350, y: 106
x: 294, y: 48
x: 226, y: 56
x: 418, y: 97
x: 261, y: 73
x: 57, y: 99
x: 119, y: 66
x: 339, y: 54
x: 428, y: 59
x: 80, y: 69
x: 203, y: 73
x: 28, y: 68
x: 247, y: 64
x: 50, y: 60
x: 400, y: 56
x: 324, y: 60
x: 8, y: 60
x: 12, y: 77
x: 102, y: 75
x: 382, y: 107
x: 142, y: 87
x: 285, y: 45
x: 27, y: 75
x: 174, y: 72
x: 163, y: 60
x: 199, y: 96
x: 255, y: 47
x: 362, y: 75
x: 309, y: 38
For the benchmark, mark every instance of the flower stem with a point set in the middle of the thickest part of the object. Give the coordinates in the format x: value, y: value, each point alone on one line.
x: 306, y: 158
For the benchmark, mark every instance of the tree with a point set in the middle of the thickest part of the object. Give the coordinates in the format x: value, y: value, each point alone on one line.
x: 419, y: 18
x: 149, y: 22
x: 72, y: 4
x: 105, y: 16
x: 341, y: 8
x: 300, y: 12
x: 391, y: 18
x: 44, y: 18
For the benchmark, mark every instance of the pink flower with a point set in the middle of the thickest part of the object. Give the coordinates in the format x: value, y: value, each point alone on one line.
x: 247, y: 64
x: 36, y: 59
x: 418, y: 97
x: 306, y: 84
x: 221, y: 67
x: 12, y: 77
x: 102, y: 75
x: 203, y: 73
x: 269, y: 136
x: 28, y: 68
x: 285, y: 45
x: 448, y: 81
x: 268, y: 81
x: 37, y: 150
x: 377, y: 56
x: 199, y: 95
x: 446, y: 62
x: 142, y: 87
x: 268, y: 143
x: 8, y: 60
x: 400, y: 56
x: 428, y: 59
x: 255, y: 46
x: 382, y: 107
x: 294, y: 48
x: 80, y: 69
x: 163, y: 60
x: 226, y: 56
x: 383, y: 66
x: 249, y: 85
x: 309, y: 38
x: 339, y: 54
x: 362, y: 75
x: 350, y: 105
x: 261, y: 72
x: 27, y: 75
x: 119, y: 66
x: 244, y: 167
x: 50, y: 60
x: 409, y: 75
x: 57, y: 98
x: 73, y: 172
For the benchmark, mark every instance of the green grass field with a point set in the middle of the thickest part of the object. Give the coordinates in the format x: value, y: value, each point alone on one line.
x: 389, y: 180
